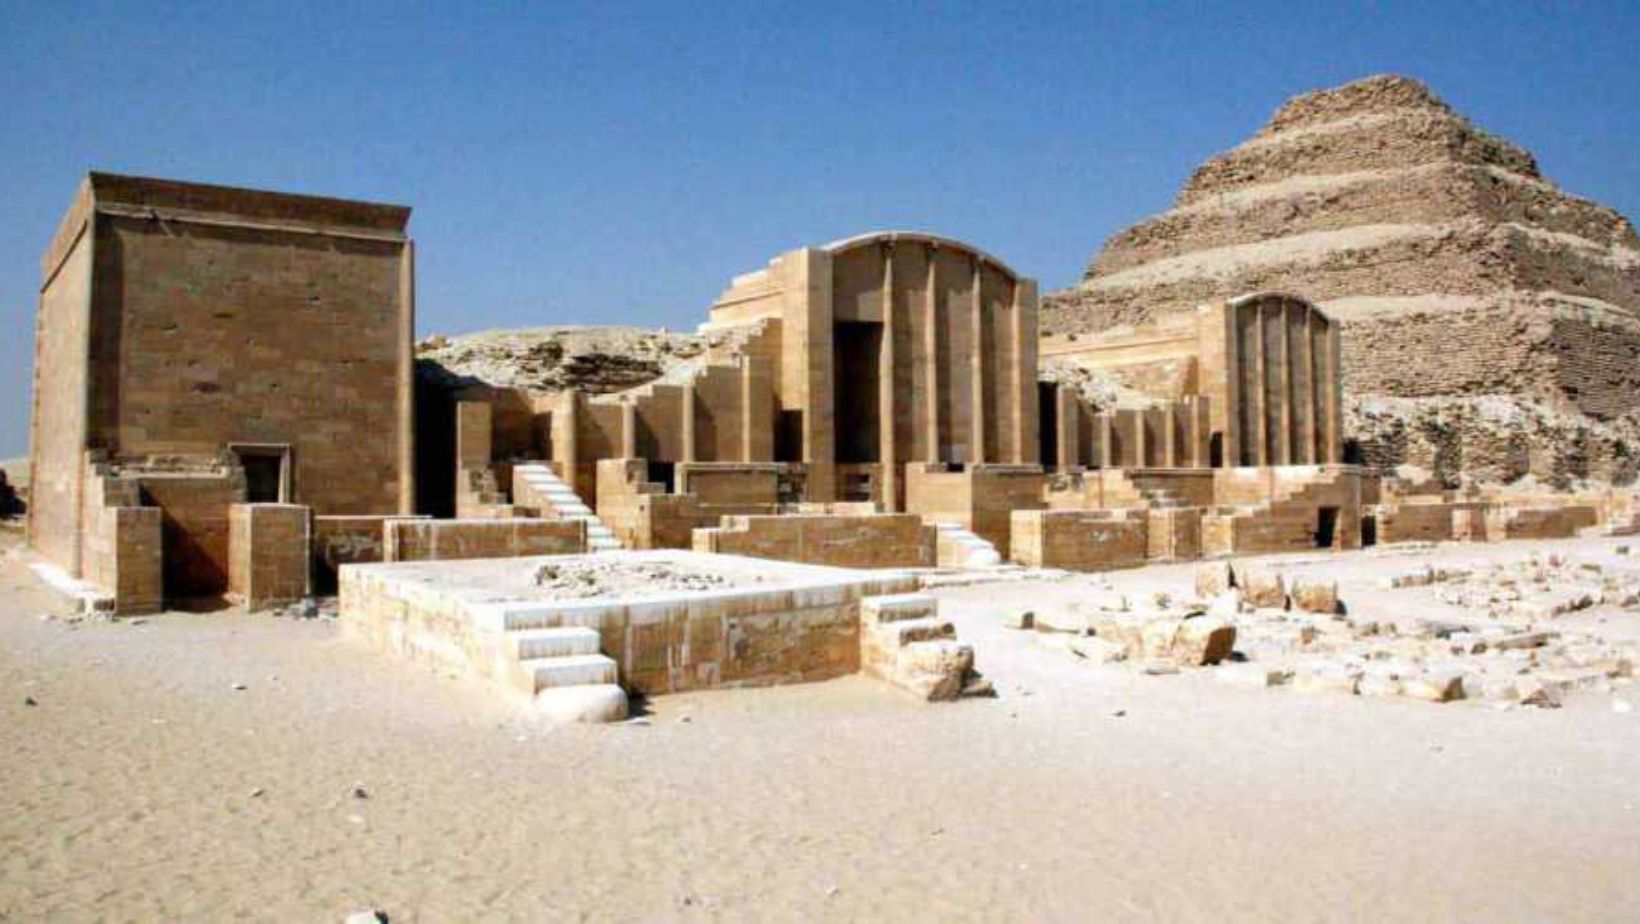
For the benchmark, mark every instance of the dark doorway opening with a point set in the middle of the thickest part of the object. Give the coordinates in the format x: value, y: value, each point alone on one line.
x: 1369, y: 531
x: 267, y: 473
x: 855, y: 348
x: 1047, y: 400
x: 662, y: 473
x: 1215, y: 450
x: 1326, y: 527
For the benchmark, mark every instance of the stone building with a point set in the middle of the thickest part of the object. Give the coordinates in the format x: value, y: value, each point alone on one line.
x: 1253, y: 381
x: 199, y: 347
x: 225, y: 405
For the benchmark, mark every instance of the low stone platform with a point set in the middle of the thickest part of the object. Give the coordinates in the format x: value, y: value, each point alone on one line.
x: 665, y: 621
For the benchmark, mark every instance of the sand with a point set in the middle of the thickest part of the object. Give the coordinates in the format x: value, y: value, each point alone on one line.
x: 144, y: 786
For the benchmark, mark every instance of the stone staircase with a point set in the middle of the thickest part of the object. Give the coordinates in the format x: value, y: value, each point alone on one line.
x: 959, y: 547
x: 905, y: 642
x: 565, y: 671
x: 536, y: 485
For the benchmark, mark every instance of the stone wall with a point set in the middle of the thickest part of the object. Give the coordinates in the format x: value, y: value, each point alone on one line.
x: 445, y: 540
x: 1080, y: 540
x: 123, y: 558
x: 874, y: 541
x: 341, y: 540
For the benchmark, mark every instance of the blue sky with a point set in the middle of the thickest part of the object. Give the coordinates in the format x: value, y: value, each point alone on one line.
x: 618, y: 162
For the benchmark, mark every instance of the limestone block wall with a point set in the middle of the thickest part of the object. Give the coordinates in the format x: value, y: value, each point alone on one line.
x: 1295, y: 509
x: 343, y: 540
x: 1414, y: 522
x: 444, y: 540
x: 1539, y: 521
x: 291, y: 339
x: 873, y: 541
x: 61, y: 376
x: 644, y: 516
x: 735, y: 484
x: 1174, y: 533
x: 269, y: 554
x: 122, y: 557
x: 1079, y: 540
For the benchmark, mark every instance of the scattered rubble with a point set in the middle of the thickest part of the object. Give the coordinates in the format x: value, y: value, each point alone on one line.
x: 1296, y: 632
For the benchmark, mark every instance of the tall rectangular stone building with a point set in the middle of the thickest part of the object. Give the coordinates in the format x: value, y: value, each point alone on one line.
x: 198, y: 346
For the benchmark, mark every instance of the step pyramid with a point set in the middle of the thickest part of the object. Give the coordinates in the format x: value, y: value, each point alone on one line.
x: 1491, y: 321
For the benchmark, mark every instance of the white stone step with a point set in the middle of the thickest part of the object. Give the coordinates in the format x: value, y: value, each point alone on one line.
x: 898, y: 607
x: 570, y: 670
x: 896, y: 635
x: 557, y: 642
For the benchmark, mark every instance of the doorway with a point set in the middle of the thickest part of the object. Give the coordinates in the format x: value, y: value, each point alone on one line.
x: 267, y: 471
x: 1326, y: 527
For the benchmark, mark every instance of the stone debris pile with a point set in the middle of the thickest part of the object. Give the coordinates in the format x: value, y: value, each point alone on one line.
x: 1264, y: 629
x: 585, y: 579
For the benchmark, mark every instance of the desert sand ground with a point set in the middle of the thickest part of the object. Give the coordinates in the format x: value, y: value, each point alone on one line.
x: 143, y: 785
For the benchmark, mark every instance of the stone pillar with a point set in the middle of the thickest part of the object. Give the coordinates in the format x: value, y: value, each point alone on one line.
x: 1027, y: 415
x: 473, y: 435
x: 629, y: 430
x: 1284, y: 385
x: 1102, y: 450
x: 756, y: 410
x: 1170, y: 435
x: 931, y: 362
x: 686, y: 421
x: 1066, y: 417
x: 806, y: 340
x: 1230, y: 414
x: 1334, y: 398
x: 976, y: 355
x: 566, y: 436
x: 1201, y: 422
x: 407, y: 380
x: 1261, y: 418
x: 888, y: 449
x: 1304, y: 390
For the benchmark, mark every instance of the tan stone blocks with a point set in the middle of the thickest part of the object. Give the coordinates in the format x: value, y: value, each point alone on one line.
x: 268, y: 553
x: 797, y: 623
x: 443, y: 540
x: 873, y: 541
x: 1080, y: 540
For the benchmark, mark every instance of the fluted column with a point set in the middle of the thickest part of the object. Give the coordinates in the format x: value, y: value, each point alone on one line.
x: 888, y: 450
